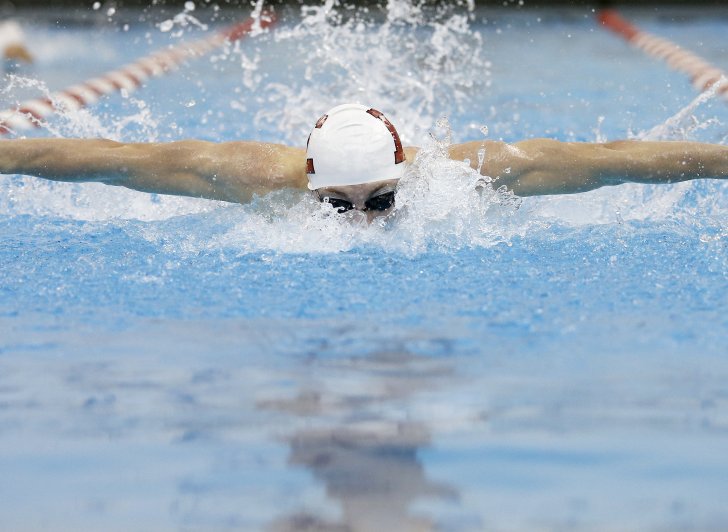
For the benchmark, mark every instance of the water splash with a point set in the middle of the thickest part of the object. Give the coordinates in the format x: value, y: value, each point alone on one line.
x: 412, y: 65
x: 683, y: 124
x: 181, y: 21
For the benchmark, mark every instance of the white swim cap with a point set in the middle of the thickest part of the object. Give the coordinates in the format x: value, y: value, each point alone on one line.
x: 350, y: 145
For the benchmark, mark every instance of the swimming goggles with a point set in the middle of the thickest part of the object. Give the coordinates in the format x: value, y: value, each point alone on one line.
x: 380, y: 202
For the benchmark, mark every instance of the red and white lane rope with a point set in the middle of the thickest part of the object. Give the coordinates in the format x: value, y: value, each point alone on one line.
x: 702, y: 74
x: 30, y: 114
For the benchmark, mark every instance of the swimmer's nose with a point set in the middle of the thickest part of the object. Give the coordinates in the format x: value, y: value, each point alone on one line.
x: 374, y: 215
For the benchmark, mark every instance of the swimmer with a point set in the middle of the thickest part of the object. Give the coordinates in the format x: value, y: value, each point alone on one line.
x: 353, y: 160
x: 12, y: 44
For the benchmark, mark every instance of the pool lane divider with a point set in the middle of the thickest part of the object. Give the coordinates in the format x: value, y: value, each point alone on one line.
x: 702, y: 74
x: 31, y: 113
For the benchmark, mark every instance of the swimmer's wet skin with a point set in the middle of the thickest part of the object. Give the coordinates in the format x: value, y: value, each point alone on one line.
x: 355, y: 159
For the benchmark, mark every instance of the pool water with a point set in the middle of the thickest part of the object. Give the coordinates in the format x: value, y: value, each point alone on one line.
x: 477, y: 362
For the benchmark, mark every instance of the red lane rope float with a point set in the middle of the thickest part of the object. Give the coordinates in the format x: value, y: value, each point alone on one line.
x: 30, y: 114
x: 702, y: 74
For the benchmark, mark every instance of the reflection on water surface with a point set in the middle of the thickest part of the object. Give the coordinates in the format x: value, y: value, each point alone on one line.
x: 363, y: 447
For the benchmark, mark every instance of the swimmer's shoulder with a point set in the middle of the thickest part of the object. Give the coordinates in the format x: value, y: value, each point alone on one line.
x: 265, y: 164
x: 497, y: 155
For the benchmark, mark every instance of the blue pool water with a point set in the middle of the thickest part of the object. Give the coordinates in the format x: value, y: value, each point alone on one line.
x: 475, y: 364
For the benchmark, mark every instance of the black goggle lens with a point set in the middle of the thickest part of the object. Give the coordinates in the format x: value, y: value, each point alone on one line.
x: 382, y: 202
x: 340, y: 205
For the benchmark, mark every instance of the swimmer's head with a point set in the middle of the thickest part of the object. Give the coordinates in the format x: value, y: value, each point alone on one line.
x: 353, y: 145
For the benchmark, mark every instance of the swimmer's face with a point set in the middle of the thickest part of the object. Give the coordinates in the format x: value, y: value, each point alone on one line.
x: 374, y: 199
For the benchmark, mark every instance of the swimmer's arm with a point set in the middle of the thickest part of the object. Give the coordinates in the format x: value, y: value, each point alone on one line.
x: 543, y: 166
x: 229, y: 171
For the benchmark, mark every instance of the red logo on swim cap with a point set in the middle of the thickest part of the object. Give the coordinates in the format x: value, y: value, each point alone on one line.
x: 399, y: 156
x: 321, y: 121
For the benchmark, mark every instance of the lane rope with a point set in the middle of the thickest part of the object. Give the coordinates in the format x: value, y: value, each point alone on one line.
x: 31, y: 113
x: 702, y: 74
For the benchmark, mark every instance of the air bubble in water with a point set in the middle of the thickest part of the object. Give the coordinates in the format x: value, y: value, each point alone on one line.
x: 481, y: 158
x: 110, y: 12
x: 166, y: 25
x: 484, y: 130
x: 189, y: 6
x: 96, y: 6
x: 481, y: 184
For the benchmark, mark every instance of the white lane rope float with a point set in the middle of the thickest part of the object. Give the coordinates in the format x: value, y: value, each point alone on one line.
x: 31, y: 113
x: 702, y: 74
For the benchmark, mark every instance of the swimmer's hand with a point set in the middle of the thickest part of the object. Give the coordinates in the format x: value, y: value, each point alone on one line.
x: 228, y: 171
x: 543, y: 166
